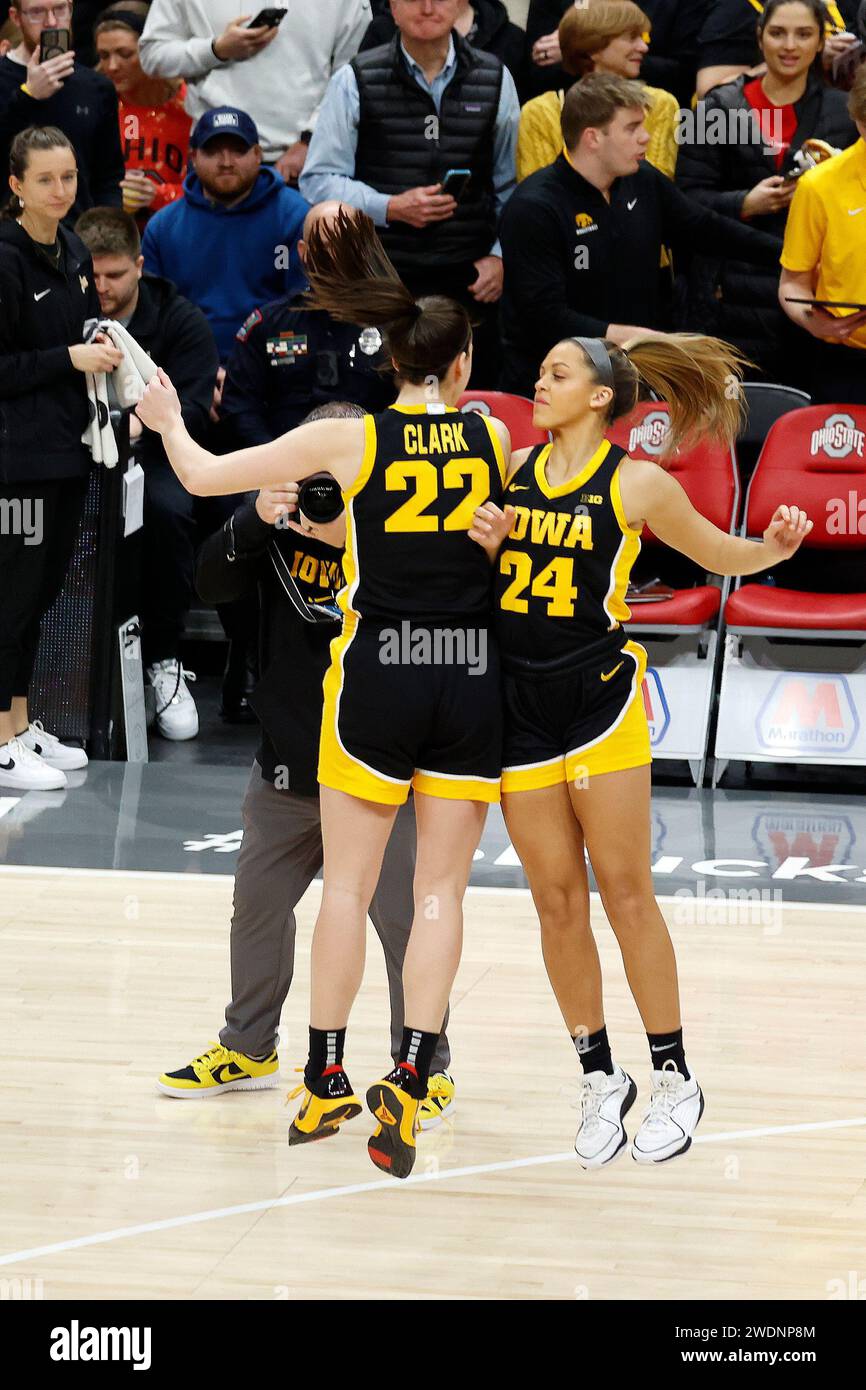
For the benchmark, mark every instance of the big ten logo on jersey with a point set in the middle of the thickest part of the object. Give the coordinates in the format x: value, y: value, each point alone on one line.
x: 808, y: 713
x: 435, y: 503
x: 316, y: 572
x: 655, y: 705
x: 838, y: 437
x: 649, y: 436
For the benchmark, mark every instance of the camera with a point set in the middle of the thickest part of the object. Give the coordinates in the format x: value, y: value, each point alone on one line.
x: 320, y: 499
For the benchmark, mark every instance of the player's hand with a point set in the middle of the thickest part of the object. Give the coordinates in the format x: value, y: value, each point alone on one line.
x: 833, y: 328
x: 276, y: 504
x: 487, y: 288
x: 490, y: 526
x: 138, y: 191
x: 44, y: 79
x: 420, y: 206
x: 786, y: 532
x: 237, y: 43
x: 159, y: 407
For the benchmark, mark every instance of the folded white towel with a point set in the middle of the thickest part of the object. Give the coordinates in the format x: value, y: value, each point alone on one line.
x: 130, y: 378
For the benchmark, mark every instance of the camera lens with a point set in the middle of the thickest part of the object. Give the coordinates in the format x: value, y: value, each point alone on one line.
x: 320, y: 499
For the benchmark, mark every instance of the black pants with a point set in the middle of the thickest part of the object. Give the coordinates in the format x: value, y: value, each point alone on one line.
x: 838, y: 374
x: 39, y: 524
x: 167, y: 570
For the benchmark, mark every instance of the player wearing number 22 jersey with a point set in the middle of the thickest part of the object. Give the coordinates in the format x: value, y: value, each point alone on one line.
x: 412, y: 696
x: 572, y: 682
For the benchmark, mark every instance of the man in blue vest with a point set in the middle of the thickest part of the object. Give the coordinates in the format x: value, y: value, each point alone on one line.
x: 420, y: 133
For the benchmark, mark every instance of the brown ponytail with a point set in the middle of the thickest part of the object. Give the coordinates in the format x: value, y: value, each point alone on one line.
x: 352, y: 279
x: 698, y: 378
x: 46, y: 137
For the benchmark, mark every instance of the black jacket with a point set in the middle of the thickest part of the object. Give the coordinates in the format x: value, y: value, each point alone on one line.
x: 294, y: 654
x: 178, y: 337
x: 269, y: 390
x: 575, y: 263
x: 734, y: 299
x: 43, y: 399
x: 85, y: 109
x: 493, y: 31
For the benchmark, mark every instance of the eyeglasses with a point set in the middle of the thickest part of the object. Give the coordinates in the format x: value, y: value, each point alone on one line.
x: 41, y: 13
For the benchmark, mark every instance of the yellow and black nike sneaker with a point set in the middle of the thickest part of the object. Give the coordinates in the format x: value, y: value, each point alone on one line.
x: 219, y: 1070
x: 392, y: 1144
x: 320, y: 1116
x: 438, y: 1104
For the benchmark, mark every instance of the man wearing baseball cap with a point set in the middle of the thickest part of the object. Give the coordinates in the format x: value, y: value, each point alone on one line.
x: 231, y: 242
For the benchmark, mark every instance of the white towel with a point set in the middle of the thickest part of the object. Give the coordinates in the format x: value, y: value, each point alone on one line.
x: 130, y: 378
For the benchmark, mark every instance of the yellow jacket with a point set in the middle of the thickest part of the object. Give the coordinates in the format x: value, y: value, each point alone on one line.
x: 539, y: 137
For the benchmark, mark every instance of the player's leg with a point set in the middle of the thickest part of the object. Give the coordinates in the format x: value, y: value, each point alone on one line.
x: 354, y: 836
x: 448, y: 835
x: 614, y: 811
x: 549, y: 843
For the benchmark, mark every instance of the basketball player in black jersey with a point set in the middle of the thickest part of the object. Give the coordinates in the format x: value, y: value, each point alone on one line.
x: 576, y: 764
x: 404, y: 705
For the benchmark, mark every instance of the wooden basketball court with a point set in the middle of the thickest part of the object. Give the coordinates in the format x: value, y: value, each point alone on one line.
x: 112, y: 1190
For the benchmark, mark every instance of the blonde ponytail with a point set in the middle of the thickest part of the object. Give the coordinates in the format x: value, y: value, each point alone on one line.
x: 698, y: 378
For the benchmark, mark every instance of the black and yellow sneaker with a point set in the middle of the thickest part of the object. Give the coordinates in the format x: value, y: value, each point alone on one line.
x: 392, y: 1144
x: 322, y: 1115
x: 219, y: 1070
x: 439, y: 1103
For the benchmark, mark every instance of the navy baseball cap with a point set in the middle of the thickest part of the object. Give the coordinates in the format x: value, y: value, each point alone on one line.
x: 224, y: 120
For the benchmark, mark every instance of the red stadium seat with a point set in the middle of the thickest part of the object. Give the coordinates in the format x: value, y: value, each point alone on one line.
x: 513, y: 411
x: 816, y: 459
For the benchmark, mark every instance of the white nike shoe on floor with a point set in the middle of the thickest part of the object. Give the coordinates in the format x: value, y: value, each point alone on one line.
x: 51, y: 750
x: 604, y: 1102
x: 675, y: 1107
x: 25, y: 771
x: 174, y: 708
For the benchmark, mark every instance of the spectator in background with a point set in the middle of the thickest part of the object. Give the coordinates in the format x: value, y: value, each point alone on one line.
x: 61, y: 93
x: 46, y: 297
x: 582, y: 238
x: 483, y: 23
x: 823, y: 258
x: 672, y: 62
x: 728, y: 42
x: 607, y: 36
x: 741, y: 175
x: 232, y: 241
x: 154, y: 127
x: 394, y: 122
x: 289, y: 358
x: 278, y: 75
x: 177, y: 336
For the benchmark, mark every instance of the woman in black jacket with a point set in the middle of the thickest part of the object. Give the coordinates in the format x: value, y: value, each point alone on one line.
x: 46, y: 295
x: 736, y: 149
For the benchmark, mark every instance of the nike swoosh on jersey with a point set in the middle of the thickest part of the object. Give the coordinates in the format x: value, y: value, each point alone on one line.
x: 610, y: 675
x: 631, y: 204
x: 852, y: 212
x: 518, y: 487
x: 41, y: 295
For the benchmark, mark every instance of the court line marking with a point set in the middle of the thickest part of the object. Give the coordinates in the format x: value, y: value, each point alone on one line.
x: 481, y: 889
x: 327, y: 1193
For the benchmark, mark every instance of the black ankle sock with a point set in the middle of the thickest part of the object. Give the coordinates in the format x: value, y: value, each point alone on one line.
x: 412, y: 1072
x: 326, y: 1053
x: 668, y: 1045
x: 593, y: 1049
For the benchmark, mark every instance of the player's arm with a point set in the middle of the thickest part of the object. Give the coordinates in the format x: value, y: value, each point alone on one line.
x: 490, y: 524
x: 333, y: 446
x: 651, y: 495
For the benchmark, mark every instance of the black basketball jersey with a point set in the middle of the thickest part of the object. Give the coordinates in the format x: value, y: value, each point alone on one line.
x: 562, y: 574
x: 408, y: 554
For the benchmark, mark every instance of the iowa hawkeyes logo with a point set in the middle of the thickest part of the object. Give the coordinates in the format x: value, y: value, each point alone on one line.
x: 583, y: 219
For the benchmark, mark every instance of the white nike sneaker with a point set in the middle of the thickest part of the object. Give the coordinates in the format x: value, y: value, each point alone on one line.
x: 24, y: 770
x: 51, y: 750
x: 676, y: 1105
x: 604, y: 1101
x: 175, y: 711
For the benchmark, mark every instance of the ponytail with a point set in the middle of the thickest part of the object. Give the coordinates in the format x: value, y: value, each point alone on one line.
x: 352, y: 279
x: 698, y: 378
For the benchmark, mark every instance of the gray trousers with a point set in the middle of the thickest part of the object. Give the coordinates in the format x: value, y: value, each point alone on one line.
x: 280, y: 855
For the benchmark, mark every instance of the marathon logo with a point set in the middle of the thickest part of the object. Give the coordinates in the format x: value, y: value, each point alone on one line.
x: 649, y: 436
x: 805, y: 713
x: 838, y: 437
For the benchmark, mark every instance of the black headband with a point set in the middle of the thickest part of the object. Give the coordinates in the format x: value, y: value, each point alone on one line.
x: 599, y: 357
x: 127, y: 17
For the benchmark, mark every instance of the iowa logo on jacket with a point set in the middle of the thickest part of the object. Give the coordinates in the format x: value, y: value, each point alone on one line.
x: 585, y: 223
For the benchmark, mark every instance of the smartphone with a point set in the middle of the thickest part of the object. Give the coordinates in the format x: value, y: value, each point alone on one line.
x: 267, y: 19
x: 455, y: 182
x: 793, y: 174
x: 53, y: 43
